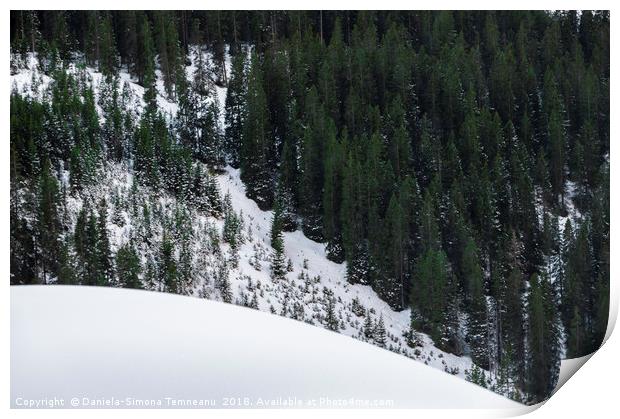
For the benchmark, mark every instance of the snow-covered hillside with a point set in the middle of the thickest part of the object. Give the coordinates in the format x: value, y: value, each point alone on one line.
x: 90, y: 347
x: 313, y: 280
x: 313, y: 287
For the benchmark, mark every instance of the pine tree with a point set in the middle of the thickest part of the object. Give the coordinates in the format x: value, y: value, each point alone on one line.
x: 145, y: 67
x: 278, y: 258
x: 321, y: 130
x: 223, y: 283
x: 331, y: 200
x: 232, y: 225
x: 578, y: 294
x: 428, y: 292
x: 107, y: 59
x: 331, y: 321
x: 256, y: 149
x: 476, y: 375
x: 235, y: 110
x: 476, y: 306
x: 205, y: 192
x: 353, y: 225
x: 543, y: 341
x: 368, y: 326
x: 379, y: 335
x: 396, y: 243
x: 128, y: 267
x: 555, y: 133
x: 185, y: 267
x: 66, y: 270
x: 48, y: 223
x: 167, y: 267
x: 104, y: 256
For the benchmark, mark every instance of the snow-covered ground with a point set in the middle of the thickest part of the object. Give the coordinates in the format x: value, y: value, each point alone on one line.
x: 302, y: 295
x: 94, y: 345
x: 309, y: 261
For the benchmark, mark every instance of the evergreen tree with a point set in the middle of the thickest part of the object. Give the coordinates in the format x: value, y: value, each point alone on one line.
x: 256, y: 149
x: 102, y: 247
x: 476, y: 306
x: 48, y: 223
x: 331, y: 321
x: 332, y: 230
x: 66, y: 270
x: 235, y: 110
x: 232, y: 225
x: 379, y: 333
x: 368, y: 326
x: 167, y: 268
x: 428, y: 292
x: 278, y: 260
x: 128, y: 267
x: 542, y: 339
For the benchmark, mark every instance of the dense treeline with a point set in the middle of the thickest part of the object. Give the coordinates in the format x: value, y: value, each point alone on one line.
x: 457, y: 161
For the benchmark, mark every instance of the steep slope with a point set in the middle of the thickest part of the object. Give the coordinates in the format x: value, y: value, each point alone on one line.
x: 313, y: 281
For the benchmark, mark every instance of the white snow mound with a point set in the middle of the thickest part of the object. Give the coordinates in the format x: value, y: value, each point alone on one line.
x: 126, y: 346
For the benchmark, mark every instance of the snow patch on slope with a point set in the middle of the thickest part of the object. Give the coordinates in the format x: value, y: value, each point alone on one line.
x: 327, y: 274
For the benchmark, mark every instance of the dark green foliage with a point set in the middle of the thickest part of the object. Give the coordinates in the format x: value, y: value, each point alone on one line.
x: 48, y: 223
x: 66, y: 271
x: 543, y: 338
x: 167, y: 269
x: 379, y: 334
x: 235, y: 109
x: 430, y: 281
x: 128, y: 267
x: 331, y: 320
x: 476, y: 375
x: 257, y: 150
x: 436, y: 153
x: 92, y: 247
x: 332, y: 191
x: 476, y: 306
x: 232, y: 225
x: 278, y: 258
x: 205, y: 193
x: 368, y: 328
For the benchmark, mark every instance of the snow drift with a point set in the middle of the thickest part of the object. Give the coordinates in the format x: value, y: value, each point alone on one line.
x: 111, y: 347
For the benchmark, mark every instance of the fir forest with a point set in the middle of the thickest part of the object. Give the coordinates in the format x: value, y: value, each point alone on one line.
x: 432, y: 182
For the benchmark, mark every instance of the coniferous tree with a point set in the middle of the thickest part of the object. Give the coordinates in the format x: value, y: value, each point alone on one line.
x: 168, y: 269
x: 278, y: 262
x: 48, y: 223
x: 128, y: 267
x: 103, y: 254
x: 235, y: 109
x: 379, y: 335
x: 256, y: 149
x: 428, y: 291
x: 542, y: 339
x: 331, y: 321
x: 232, y: 225
x: 476, y: 305
x: 66, y: 270
x: 368, y: 328
x: 332, y: 230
